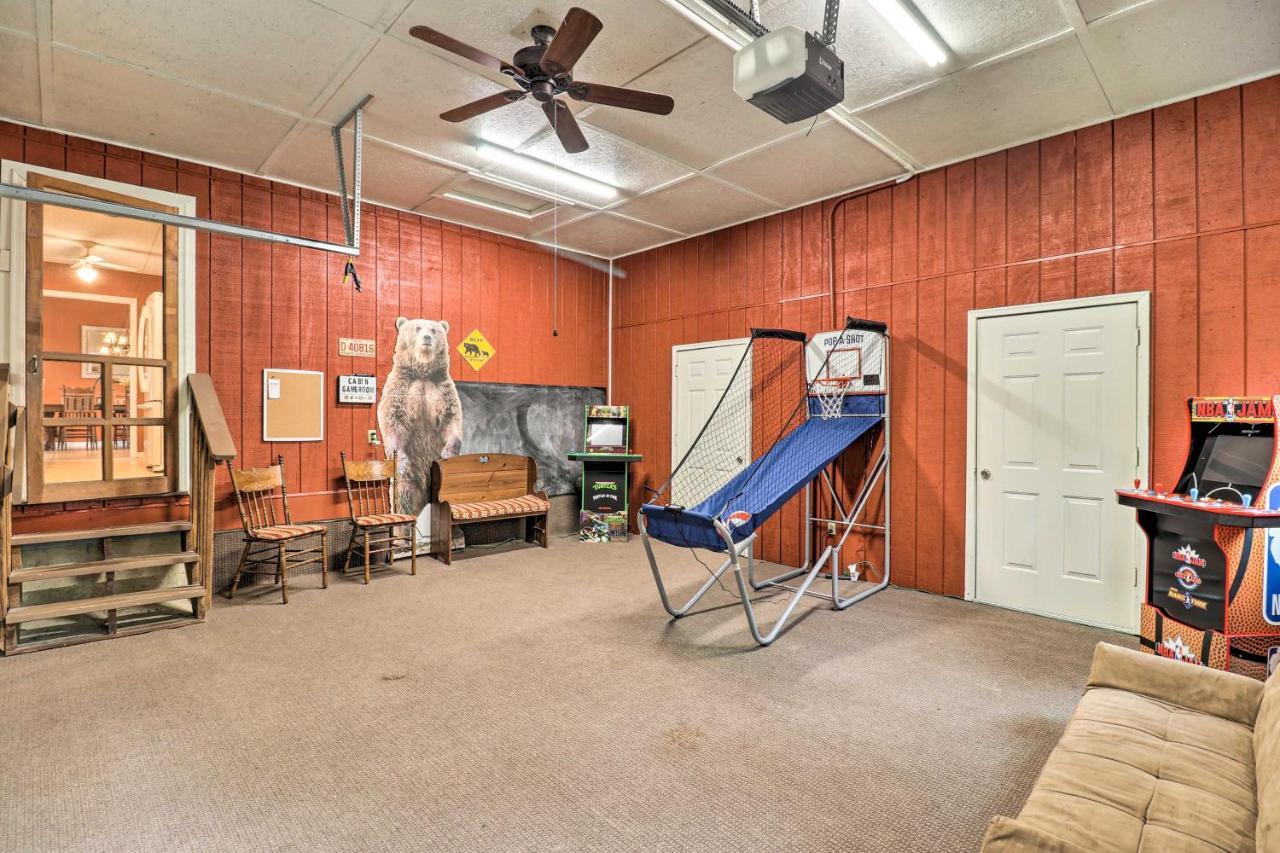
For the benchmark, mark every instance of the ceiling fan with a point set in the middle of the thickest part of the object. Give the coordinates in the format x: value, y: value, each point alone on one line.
x: 544, y: 70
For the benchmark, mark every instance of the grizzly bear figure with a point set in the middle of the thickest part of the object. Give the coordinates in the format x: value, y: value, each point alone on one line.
x: 420, y: 415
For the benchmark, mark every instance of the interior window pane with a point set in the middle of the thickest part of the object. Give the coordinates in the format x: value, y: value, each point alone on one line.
x: 75, y: 454
x: 137, y: 451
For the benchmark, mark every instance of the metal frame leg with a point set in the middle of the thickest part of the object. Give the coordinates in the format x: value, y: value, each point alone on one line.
x: 677, y: 612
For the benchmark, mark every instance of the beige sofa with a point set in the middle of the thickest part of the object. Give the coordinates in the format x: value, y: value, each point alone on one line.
x: 1158, y: 756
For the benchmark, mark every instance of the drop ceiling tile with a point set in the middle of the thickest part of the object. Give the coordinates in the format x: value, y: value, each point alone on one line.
x: 879, y: 63
x: 611, y: 160
x: 834, y: 160
x: 489, y: 220
x: 118, y: 102
x: 412, y: 86
x: 365, y: 11
x: 281, y: 53
x: 635, y: 36
x: 390, y: 176
x: 1095, y: 9
x: 19, y: 16
x: 695, y: 205
x: 609, y: 236
x: 709, y: 123
x: 1167, y: 50
x: 20, y: 81
x: 1029, y: 96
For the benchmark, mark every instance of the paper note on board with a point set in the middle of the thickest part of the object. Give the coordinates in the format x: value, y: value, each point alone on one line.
x: 273, y: 389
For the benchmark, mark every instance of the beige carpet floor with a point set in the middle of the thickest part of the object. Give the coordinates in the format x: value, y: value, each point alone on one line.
x: 536, y: 700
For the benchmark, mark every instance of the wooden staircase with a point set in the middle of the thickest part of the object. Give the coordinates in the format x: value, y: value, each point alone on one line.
x: 63, y: 587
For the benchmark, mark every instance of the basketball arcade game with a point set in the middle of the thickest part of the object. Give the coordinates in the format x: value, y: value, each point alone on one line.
x: 1214, y: 541
x: 804, y: 403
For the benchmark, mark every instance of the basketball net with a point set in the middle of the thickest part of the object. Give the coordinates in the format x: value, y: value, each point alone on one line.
x: 830, y: 392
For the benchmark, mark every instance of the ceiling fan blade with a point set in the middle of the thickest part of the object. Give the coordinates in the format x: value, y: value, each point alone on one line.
x: 579, y: 29
x: 475, y: 108
x: 466, y: 51
x: 566, y: 126
x: 628, y: 99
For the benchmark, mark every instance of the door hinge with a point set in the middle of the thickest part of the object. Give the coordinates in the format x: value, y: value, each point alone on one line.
x: 1138, y: 343
x: 1135, y: 577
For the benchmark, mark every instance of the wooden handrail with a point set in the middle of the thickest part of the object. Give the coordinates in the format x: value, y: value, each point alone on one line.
x: 11, y: 415
x: 209, y: 418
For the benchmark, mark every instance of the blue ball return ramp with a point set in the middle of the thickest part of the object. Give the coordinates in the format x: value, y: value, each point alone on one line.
x: 804, y: 403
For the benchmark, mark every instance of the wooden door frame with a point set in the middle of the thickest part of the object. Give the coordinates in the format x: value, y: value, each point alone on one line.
x: 179, y: 311
x: 1142, y: 301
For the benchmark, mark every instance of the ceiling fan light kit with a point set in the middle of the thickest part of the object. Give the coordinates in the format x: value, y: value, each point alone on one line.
x: 544, y: 71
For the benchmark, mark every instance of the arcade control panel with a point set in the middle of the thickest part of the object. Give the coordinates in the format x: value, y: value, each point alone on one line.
x: 1192, y: 505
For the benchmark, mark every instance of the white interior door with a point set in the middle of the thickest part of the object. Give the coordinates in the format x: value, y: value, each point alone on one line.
x: 1056, y: 431
x: 700, y: 375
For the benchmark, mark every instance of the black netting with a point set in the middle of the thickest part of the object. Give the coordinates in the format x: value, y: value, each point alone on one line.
x: 765, y: 401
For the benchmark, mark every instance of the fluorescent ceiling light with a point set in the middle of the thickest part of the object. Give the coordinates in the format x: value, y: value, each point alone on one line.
x: 499, y: 207
x: 909, y: 26
x: 544, y: 171
x: 704, y: 19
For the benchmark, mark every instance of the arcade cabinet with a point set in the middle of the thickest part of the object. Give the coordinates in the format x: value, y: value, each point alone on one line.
x: 1213, y: 541
x: 605, y: 460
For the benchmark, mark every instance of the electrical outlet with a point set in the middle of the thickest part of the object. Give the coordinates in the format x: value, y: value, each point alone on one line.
x: 831, y: 528
x: 373, y: 436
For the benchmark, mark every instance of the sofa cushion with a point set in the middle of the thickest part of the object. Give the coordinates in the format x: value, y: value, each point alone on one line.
x: 1266, y: 755
x: 524, y: 505
x: 1133, y: 773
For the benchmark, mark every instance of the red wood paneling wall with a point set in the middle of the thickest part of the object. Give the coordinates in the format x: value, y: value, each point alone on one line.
x: 1182, y: 201
x: 260, y: 305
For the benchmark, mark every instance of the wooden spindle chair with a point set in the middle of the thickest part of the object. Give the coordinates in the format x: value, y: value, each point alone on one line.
x: 371, y: 487
x: 255, y: 490
x: 80, y: 403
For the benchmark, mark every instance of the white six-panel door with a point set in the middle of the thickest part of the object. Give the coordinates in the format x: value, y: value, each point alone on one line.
x: 700, y: 375
x: 1056, y: 429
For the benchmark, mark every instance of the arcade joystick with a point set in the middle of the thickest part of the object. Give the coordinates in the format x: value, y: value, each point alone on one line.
x: 1194, y: 493
x: 1137, y: 484
x: 1246, y: 499
x: 1160, y: 489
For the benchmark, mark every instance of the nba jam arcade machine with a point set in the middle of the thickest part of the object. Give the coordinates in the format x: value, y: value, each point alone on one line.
x: 1213, y: 541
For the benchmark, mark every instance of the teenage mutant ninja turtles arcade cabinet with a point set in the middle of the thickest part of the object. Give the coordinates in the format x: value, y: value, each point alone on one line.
x: 1213, y: 541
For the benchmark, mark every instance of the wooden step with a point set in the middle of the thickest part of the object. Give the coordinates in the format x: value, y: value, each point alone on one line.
x: 20, y: 539
x: 17, y: 615
x: 118, y: 564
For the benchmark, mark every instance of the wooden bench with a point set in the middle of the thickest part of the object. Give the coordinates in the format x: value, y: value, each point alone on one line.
x: 485, y: 487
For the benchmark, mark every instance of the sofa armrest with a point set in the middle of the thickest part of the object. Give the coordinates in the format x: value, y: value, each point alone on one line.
x: 1006, y: 835
x: 1197, y: 688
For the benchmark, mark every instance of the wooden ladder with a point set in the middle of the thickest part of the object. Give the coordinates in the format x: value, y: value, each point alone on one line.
x: 112, y: 557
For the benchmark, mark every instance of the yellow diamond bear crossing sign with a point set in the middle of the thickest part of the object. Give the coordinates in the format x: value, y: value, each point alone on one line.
x: 476, y: 349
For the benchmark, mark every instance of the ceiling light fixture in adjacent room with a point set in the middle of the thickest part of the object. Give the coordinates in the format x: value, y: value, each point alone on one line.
x: 85, y: 269
x: 540, y: 169
x: 912, y: 27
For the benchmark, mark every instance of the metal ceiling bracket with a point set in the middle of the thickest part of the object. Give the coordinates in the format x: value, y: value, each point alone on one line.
x: 830, y: 16
x: 350, y: 204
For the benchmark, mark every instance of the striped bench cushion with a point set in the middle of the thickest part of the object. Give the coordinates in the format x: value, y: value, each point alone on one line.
x: 525, y: 505
x: 287, y: 531
x: 379, y: 519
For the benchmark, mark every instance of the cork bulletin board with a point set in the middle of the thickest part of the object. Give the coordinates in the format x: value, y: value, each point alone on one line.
x: 292, y: 405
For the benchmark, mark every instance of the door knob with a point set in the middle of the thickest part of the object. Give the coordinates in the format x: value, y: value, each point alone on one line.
x: 985, y: 474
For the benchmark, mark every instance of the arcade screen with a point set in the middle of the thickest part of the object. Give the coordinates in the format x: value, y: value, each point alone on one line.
x: 606, y: 434
x: 1238, y: 460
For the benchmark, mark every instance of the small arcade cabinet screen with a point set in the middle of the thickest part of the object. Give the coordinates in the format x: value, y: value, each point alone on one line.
x: 1240, y: 461
x: 607, y: 435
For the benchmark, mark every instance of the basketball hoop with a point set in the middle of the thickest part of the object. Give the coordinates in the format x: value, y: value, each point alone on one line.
x: 831, y: 391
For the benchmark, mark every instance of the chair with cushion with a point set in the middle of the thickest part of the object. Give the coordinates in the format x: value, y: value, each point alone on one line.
x: 1159, y: 755
x: 371, y: 498
x: 280, y: 543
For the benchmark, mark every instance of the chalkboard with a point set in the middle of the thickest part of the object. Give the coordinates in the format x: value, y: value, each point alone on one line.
x: 542, y: 421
